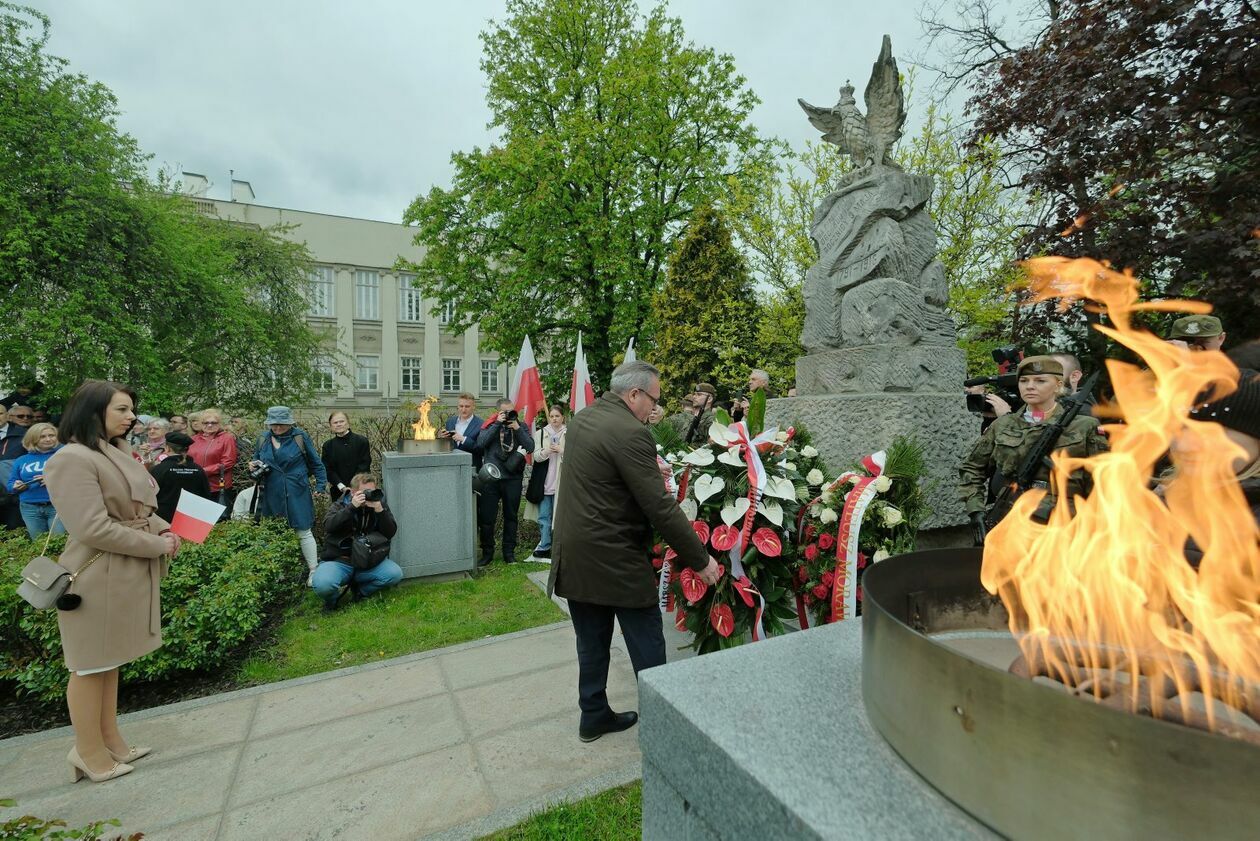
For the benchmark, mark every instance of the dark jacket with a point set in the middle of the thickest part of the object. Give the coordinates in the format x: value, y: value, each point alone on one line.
x: 497, y: 440
x: 343, y: 457
x: 344, y: 522
x: 610, y: 500
x: 174, y: 474
x: 11, y: 444
x: 470, y: 437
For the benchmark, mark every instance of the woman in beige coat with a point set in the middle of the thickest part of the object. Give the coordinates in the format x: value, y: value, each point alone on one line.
x: 106, y: 500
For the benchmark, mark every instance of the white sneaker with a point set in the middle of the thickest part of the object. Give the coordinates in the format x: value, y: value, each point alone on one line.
x: 310, y: 579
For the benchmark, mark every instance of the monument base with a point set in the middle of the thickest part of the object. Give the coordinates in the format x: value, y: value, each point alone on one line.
x: 877, y: 368
x: 432, y: 500
x: 846, y: 427
x: 771, y: 740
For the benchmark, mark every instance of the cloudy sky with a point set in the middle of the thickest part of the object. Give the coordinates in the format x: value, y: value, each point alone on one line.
x: 355, y: 108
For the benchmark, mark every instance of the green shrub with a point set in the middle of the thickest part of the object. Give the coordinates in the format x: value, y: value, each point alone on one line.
x: 216, y: 595
x: 30, y: 828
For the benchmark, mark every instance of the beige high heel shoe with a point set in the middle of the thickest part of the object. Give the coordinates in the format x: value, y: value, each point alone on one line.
x: 132, y: 754
x: 78, y: 770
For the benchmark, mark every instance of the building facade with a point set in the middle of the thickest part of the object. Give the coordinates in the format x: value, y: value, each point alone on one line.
x: 393, y: 345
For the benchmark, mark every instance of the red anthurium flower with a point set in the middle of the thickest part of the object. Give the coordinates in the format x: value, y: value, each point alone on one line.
x: 811, y: 552
x: 658, y: 549
x: 702, y: 530
x: 767, y: 542
x: 820, y: 591
x: 670, y: 554
x: 693, y: 586
x: 680, y: 619
x: 724, y: 537
x: 745, y: 589
x: 826, y: 541
x: 722, y: 620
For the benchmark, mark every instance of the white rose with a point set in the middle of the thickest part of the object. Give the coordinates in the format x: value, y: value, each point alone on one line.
x: 814, y: 477
x: 781, y: 437
x: 829, y: 496
x: 808, y: 451
x: 892, y: 516
x: 882, y: 484
x: 787, y: 465
x: 827, y: 516
x: 815, y: 510
x: 880, y: 555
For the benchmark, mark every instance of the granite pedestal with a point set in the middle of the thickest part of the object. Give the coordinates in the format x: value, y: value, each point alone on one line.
x: 431, y: 497
x: 771, y: 740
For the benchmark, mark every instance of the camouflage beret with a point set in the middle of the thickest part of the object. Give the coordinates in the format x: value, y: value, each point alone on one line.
x: 1041, y: 365
x: 1196, y: 327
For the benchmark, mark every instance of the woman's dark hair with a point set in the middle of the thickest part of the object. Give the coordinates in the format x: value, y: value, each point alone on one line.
x: 83, y: 421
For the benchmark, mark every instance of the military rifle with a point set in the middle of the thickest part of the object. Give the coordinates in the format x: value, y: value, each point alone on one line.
x: 1039, y: 456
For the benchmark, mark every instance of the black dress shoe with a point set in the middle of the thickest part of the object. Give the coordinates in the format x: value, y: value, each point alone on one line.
x: 618, y: 722
x: 484, y: 562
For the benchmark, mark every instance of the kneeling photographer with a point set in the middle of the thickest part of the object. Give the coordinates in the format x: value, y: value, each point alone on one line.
x: 355, y: 557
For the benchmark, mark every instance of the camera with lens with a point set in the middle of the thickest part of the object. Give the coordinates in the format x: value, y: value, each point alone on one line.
x: 1005, y: 385
x: 373, y: 495
x: 510, y: 415
x: 259, y: 472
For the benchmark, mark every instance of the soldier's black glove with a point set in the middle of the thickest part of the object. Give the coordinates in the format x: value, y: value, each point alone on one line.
x: 978, y: 531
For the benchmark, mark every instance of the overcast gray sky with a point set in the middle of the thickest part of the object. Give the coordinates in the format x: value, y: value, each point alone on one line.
x: 355, y: 108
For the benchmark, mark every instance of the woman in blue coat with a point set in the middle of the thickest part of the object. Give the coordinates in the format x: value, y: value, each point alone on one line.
x: 286, y: 488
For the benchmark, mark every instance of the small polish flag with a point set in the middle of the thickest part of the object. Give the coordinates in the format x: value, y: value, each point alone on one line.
x: 581, y: 393
x: 630, y: 356
x: 195, y: 516
x: 527, y: 394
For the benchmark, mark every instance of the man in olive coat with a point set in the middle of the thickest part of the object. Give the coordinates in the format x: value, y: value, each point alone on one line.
x: 610, y: 500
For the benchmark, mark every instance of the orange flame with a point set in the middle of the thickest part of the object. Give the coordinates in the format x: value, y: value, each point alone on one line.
x: 422, y: 429
x: 1106, y: 594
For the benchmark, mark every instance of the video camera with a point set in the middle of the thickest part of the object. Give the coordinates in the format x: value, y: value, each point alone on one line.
x: 1005, y: 385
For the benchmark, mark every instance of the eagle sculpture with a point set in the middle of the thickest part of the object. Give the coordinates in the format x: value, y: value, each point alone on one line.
x: 867, y: 139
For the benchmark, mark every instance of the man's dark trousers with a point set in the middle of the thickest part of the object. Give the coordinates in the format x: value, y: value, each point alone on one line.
x: 593, y: 624
x: 509, y: 491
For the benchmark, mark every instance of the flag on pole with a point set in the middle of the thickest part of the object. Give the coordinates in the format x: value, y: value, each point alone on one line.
x: 631, y: 356
x: 195, y: 516
x: 527, y: 393
x: 581, y: 393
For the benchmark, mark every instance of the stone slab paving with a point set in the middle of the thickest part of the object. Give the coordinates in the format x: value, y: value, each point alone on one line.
x: 451, y: 744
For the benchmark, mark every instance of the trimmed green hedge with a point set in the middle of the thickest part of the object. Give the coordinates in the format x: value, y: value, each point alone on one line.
x: 216, y: 596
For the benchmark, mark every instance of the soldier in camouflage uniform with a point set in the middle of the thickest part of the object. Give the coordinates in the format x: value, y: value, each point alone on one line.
x: 703, y: 397
x: 1006, y: 442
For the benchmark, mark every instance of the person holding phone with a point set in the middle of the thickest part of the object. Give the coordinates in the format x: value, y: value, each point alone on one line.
x: 27, y: 481
x: 463, y: 427
x: 503, y: 444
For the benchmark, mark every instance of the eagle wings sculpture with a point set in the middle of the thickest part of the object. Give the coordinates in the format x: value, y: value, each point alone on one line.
x: 867, y: 139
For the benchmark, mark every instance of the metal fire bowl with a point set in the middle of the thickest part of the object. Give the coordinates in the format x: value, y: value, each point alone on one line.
x: 410, y: 446
x: 1028, y: 760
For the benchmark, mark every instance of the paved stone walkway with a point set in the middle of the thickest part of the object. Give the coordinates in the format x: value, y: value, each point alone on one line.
x: 452, y: 743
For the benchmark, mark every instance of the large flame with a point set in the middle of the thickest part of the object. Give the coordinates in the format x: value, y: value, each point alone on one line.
x: 1105, y: 599
x: 422, y: 429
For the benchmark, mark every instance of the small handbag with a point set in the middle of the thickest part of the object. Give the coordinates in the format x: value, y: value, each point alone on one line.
x: 44, y: 581
x: 368, y: 550
x: 537, y: 487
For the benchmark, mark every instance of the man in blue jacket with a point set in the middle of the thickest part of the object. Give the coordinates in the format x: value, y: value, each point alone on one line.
x: 463, y: 428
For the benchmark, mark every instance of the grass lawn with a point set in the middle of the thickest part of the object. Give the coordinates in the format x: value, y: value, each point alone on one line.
x: 614, y: 815
x: 412, y: 617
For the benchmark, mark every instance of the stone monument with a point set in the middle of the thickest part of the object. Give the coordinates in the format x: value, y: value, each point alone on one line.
x: 882, y: 357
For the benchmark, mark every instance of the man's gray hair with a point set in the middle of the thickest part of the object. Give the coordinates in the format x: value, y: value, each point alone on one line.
x: 761, y: 375
x: 637, y: 374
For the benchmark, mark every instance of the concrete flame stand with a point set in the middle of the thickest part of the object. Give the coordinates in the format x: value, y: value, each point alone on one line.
x: 429, y: 489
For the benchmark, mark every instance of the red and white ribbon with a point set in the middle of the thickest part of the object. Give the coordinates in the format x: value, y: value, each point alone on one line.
x: 844, y: 585
x: 756, y: 485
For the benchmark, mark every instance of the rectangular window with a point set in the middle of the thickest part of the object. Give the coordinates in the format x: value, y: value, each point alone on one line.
x: 410, y: 366
x: 410, y: 303
x: 367, y: 373
x: 450, y: 374
x: 319, y: 292
x: 325, y: 374
x: 448, y: 312
x: 367, y: 295
x: 489, y: 376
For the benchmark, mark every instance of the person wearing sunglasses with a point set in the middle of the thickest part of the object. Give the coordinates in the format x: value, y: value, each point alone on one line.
x: 215, y: 451
x: 119, y: 550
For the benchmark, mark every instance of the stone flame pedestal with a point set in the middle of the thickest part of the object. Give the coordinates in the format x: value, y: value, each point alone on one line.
x: 431, y: 497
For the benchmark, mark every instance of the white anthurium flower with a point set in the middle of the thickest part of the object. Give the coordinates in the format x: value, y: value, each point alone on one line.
x: 787, y: 465
x: 772, y: 511
x: 814, y: 477
x: 732, y: 457
x: 724, y: 435
x: 882, y: 484
x: 809, y: 452
x: 892, y: 516
x: 733, y: 512
x: 702, y: 457
x: 780, y: 487
x: 880, y: 555
x: 706, y: 486
x: 828, y: 516
x: 689, y: 508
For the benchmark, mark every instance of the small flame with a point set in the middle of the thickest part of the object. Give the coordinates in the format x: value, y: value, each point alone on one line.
x: 423, y: 430
x: 1108, y: 591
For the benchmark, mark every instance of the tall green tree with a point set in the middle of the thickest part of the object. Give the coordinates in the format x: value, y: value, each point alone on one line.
x: 106, y: 274
x: 706, y: 311
x: 612, y: 129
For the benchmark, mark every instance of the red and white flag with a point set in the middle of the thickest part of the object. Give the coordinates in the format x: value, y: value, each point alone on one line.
x: 581, y: 394
x: 630, y: 356
x: 195, y: 516
x: 527, y: 393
